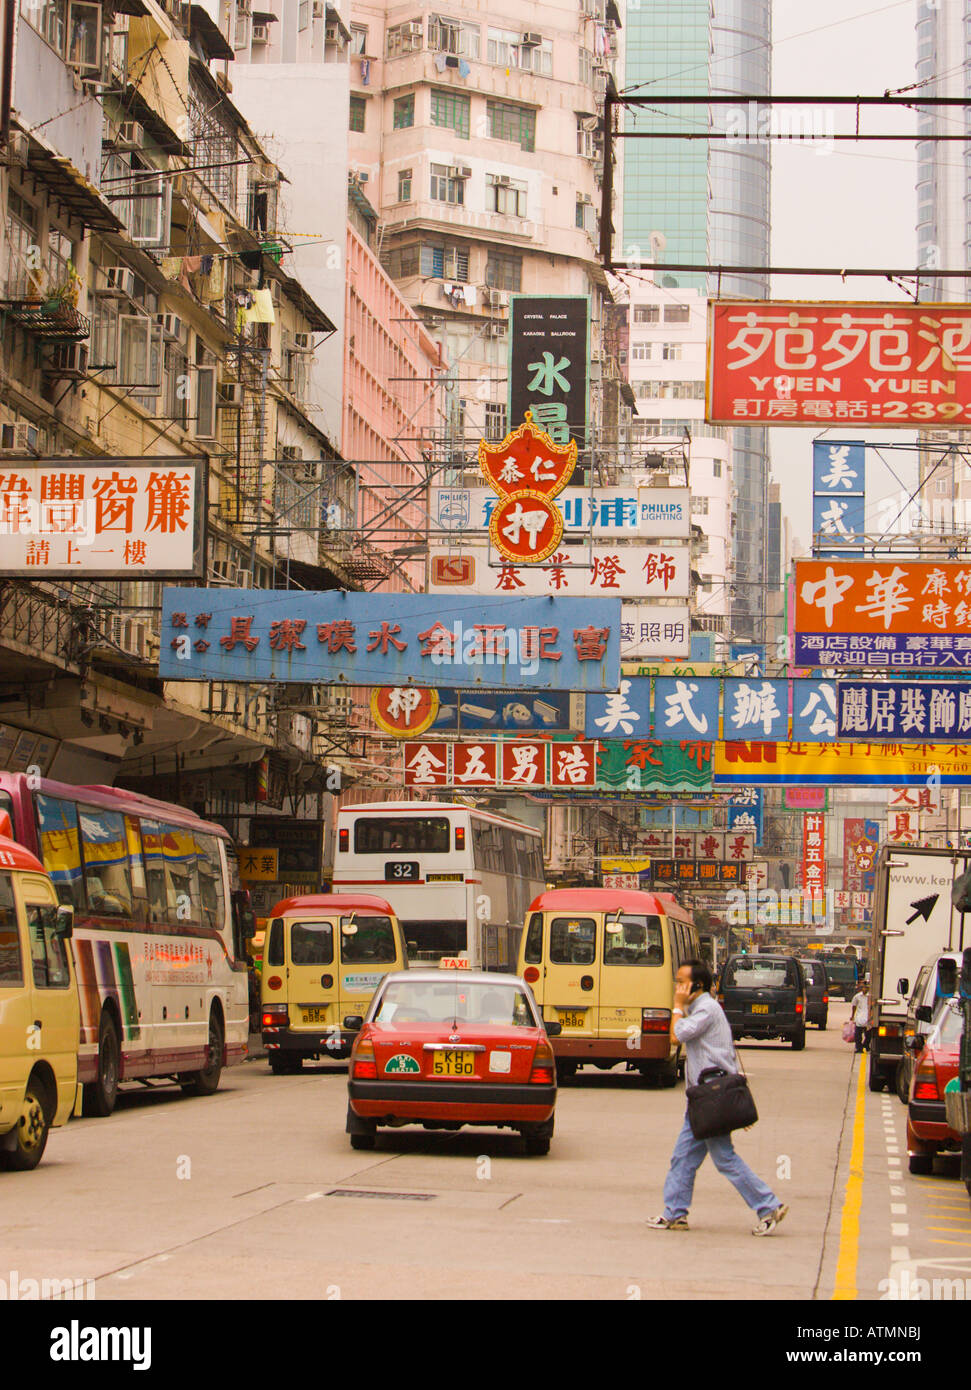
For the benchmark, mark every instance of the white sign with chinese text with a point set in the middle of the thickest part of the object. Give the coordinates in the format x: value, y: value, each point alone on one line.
x: 596, y: 571
x: 654, y: 631
x: 114, y: 518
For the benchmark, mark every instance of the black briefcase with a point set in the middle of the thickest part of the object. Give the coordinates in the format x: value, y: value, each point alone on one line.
x: 720, y: 1102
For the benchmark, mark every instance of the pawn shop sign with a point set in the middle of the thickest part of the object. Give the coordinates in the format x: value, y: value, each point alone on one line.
x: 526, y: 526
x: 404, y: 711
x: 527, y: 460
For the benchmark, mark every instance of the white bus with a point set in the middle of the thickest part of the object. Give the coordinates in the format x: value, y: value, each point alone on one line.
x: 159, y: 935
x: 459, y: 880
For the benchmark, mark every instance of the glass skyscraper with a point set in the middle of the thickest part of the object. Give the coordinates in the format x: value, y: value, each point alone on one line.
x: 706, y: 201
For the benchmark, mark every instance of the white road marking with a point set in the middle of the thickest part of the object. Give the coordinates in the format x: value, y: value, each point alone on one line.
x: 899, y: 1254
x: 899, y: 1228
x: 898, y: 1208
x: 898, y: 1192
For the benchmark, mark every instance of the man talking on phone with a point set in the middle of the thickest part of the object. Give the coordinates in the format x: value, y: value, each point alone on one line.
x: 699, y: 1023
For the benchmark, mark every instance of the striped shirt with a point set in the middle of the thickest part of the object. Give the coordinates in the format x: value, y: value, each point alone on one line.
x: 707, y: 1037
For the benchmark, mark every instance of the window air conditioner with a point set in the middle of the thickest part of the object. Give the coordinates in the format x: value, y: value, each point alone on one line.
x: 170, y: 324
x: 261, y: 33
x: 230, y: 395
x: 131, y: 135
x: 17, y: 149
x: 67, y: 359
x: 585, y: 199
x: 19, y: 438
x: 303, y: 342
x: 501, y: 180
x: 414, y: 29
x: 120, y: 279
x: 291, y: 452
x: 532, y: 40
x: 332, y: 32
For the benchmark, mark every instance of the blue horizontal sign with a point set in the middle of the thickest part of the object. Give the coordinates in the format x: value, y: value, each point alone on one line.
x: 896, y: 650
x: 338, y: 638
x: 707, y: 707
x: 925, y: 711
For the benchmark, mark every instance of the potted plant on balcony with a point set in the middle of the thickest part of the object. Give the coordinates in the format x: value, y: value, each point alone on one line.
x: 61, y: 300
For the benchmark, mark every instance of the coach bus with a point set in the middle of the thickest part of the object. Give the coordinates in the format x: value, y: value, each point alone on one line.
x: 159, y: 934
x: 459, y: 880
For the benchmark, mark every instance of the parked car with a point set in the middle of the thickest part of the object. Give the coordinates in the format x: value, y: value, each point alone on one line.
x: 764, y: 997
x: 816, y: 981
x: 447, y: 1048
x: 936, y: 1062
x: 937, y: 979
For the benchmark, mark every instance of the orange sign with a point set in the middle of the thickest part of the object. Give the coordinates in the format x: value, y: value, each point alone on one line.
x: 527, y: 460
x: 526, y: 526
x: 404, y: 711
x: 883, y: 596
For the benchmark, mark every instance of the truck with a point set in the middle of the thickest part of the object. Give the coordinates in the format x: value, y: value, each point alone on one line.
x: 912, y: 919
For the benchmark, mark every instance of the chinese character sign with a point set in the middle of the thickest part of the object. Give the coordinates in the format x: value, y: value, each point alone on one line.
x: 892, y: 710
x: 841, y: 764
x: 624, y: 571
x: 391, y: 640
x: 883, y: 613
x: 839, y: 499
x: 114, y: 518
x: 813, y: 851
x: 884, y: 364
x: 549, y: 364
x: 609, y: 513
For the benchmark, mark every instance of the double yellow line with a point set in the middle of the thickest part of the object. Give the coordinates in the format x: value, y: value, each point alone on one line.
x: 849, y: 1247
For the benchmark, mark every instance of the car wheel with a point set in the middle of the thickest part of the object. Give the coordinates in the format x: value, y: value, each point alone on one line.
x: 363, y: 1141
x: 565, y: 1071
x: 664, y: 1074
x: 902, y: 1084
x: 823, y: 1022
x: 798, y: 1040
x: 921, y: 1163
x: 100, y: 1095
x: 206, y: 1081
x: 876, y: 1078
x: 33, y: 1127
x: 537, y: 1139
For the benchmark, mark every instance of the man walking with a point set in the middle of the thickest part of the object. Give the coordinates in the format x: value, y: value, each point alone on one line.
x: 700, y: 1023
x: 860, y: 1017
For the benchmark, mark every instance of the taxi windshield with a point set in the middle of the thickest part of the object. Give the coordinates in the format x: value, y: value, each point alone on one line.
x: 447, y: 1001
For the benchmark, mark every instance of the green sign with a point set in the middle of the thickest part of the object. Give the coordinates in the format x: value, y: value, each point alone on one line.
x: 401, y: 1062
x: 643, y: 764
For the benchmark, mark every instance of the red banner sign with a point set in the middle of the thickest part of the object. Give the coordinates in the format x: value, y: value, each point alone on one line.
x: 799, y: 363
x: 813, y: 852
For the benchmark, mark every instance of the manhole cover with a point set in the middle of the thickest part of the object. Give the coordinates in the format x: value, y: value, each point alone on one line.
x: 384, y: 1196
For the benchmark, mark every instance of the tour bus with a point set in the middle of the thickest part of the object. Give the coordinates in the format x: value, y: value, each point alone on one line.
x: 38, y: 1007
x: 602, y: 963
x: 159, y: 932
x: 459, y: 880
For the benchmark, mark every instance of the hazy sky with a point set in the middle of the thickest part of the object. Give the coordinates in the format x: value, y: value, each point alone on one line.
x: 853, y: 205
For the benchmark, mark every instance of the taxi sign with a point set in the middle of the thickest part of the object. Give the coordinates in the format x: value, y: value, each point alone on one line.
x: 453, y: 963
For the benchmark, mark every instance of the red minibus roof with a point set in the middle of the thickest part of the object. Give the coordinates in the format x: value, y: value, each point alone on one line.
x: 14, y: 856
x: 608, y: 900
x: 333, y: 902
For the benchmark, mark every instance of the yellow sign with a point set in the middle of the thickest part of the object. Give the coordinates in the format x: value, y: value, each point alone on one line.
x: 259, y: 865
x: 624, y: 866
x: 842, y: 764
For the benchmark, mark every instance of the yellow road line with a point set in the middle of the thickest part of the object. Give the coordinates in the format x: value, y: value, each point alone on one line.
x: 954, y: 1230
x: 849, y: 1246
x: 938, y: 1241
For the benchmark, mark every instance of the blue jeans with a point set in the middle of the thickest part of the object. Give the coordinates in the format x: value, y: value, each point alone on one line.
x: 689, y: 1154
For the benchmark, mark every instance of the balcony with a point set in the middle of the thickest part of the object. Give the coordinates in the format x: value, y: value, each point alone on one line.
x: 488, y: 225
x: 53, y: 320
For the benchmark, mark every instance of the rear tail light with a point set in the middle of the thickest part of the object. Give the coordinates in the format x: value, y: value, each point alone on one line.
x: 363, y: 1065
x: 343, y: 840
x: 531, y: 974
x: 655, y: 1020
x: 275, y: 1016
x: 925, y: 1084
x: 825, y: 998
x: 460, y: 837
x: 800, y: 1005
x: 888, y: 1030
x: 544, y: 1067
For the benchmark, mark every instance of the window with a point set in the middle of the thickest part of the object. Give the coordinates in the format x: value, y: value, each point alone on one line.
x: 573, y: 940
x: 640, y: 352
x: 11, y: 957
x: 503, y: 47
x: 404, y: 38
x: 401, y: 262
x: 647, y: 313
x: 671, y: 352
x: 452, y: 36
x: 586, y: 136
x: 716, y: 469
x: 445, y: 263
x: 107, y: 877
x: 504, y: 272
x: 677, y: 313
x: 358, y: 38
x: 633, y: 941
x: 404, y: 112
x: 452, y: 110
x: 537, y: 57
x: 367, y: 941
x: 71, y: 27
x: 444, y: 188
x: 274, y: 947
x: 584, y: 213
x: 21, y: 236
x: 586, y: 67
x: 358, y: 109
x: 312, y: 943
x: 514, y: 123
x: 47, y: 951
x: 410, y: 834
x: 206, y: 402
x: 404, y: 185
x: 487, y: 845
x: 60, y: 251
x: 505, y: 195
x: 303, y: 15
x: 140, y: 197
x: 495, y: 420
x: 699, y: 506
x: 60, y: 847
x: 212, y: 897
x: 533, y: 953
x: 181, y: 870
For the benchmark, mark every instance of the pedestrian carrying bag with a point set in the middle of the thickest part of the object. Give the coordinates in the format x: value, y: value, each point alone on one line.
x: 849, y: 1031
x: 719, y: 1102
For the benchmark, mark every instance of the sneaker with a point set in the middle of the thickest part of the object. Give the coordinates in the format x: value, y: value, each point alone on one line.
x: 663, y: 1223
x: 768, y: 1223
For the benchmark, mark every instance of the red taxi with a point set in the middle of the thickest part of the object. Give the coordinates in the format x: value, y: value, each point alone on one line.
x: 447, y: 1048
x: 936, y: 1062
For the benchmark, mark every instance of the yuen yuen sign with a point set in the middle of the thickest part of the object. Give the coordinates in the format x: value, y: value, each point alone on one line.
x: 803, y: 363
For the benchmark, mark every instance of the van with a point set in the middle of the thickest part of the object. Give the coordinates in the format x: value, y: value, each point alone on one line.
x: 764, y: 997
x: 323, y: 957
x: 937, y: 979
x: 816, y: 984
x: 40, y: 1021
x: 602, y: 963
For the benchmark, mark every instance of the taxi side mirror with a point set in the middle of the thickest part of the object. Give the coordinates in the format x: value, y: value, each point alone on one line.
x: 354, y: 1023
x: 553, y: 1030
x: 65, y: 922
x: 903, y: 985
x: 923, y: 1013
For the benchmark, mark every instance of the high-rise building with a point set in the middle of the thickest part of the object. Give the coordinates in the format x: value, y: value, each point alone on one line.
x: 704, y: 201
